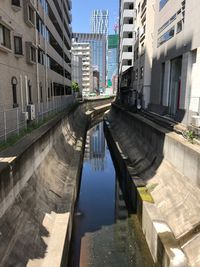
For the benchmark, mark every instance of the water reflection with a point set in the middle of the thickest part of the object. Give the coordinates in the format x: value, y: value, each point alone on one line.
x: 95, y: 148
x: 104, y: 234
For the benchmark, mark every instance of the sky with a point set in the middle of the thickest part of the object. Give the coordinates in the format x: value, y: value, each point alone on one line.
x: 82, y: 10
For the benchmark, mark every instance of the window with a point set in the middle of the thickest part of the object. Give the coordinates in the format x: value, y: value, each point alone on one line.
x: 49, y: 93
x: 163, y: 3
x: 129, y: 62
x: 41, y: 93
x: 30, y: 53
x: 31, y: 15
x: 179, y: 26
x: 29, y: 92
x: 14, y: 91
x: 142, y: 49
x: 41, y: 56
x: 130, y: 49
x: 18, y: 45
x: 16, y: 3
x: 5, y: 37
x: 130, y: 21
x: 33, y: 54
x: 130, y: 35
x: 166, y: 36
x: 167, y: 23
x: 141, y: 72
x: 139, y: 8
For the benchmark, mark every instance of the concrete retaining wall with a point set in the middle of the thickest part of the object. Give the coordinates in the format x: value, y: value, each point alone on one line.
x: 167, y: 201
x: 39, y: 183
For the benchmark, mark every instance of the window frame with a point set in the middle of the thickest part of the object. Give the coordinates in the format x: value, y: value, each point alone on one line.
x: 15, y: 6
x: 30, y: 47
x: 3, y: 46
x: 14, y: 83
x: 29, y: 17
x: 21, y: 44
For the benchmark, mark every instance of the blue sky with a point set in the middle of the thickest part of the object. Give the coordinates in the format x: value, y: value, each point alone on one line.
x: 82, y: 10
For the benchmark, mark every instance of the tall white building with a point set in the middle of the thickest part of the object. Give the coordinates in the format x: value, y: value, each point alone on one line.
x: 127, y: 34
x: 100, y: 21
x: 84, y: 50
x: 143, y: 48
x: 77, y: 70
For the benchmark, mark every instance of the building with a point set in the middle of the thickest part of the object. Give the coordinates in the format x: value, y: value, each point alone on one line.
x: 84, y: 51
x: 176, y: 60
x: 35, y: 44
x: 98, y: 44
x: 113, y: 43
x: 100, y: 22
x: 96, y: 81
x: 126, y: 32
x: 115, y: 84
x: 77, y: 70
x: 143, y: 49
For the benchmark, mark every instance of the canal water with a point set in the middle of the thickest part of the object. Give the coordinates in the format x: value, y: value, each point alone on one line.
x: 104, y: 233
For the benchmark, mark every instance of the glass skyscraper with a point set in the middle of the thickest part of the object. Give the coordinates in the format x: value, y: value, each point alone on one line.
x: 113, y: 42
x: 100, y: 21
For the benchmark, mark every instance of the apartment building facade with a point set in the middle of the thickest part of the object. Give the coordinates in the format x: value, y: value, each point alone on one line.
x: 126, y: 34
x: 143, y: 49
x: 35, y: 44
x: 98, y: 43
x: 113, y: 43
x: 176, y: 60
x: 84, y: 51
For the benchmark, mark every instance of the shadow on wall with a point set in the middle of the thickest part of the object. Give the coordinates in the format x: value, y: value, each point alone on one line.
x: 26, y: 225
x: 142, y: 143
x: 171, y: 79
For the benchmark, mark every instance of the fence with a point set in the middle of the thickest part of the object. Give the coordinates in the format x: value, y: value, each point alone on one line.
x: 195, y: 104
x: 13, y: 121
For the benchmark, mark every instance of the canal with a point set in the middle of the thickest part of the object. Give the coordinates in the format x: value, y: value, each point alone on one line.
x: 104, y: 232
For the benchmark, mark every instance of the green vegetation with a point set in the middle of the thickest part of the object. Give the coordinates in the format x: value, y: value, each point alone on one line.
x: 189, y: 135
x: 75, y: 87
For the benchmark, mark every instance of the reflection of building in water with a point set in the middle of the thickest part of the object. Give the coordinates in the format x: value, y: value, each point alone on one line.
x: 121, y: 212
x: 95, y: 147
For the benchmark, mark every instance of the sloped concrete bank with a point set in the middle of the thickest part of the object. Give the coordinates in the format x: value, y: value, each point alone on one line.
x: 160, y: 169
x: 39, y: 181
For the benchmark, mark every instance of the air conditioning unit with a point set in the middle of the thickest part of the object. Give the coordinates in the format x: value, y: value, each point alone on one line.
x: 196, y: 121
x: 31, y: 112
x: 25, y: 115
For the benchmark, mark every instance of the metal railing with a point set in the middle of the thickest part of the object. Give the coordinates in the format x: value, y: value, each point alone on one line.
x: 13, y: 121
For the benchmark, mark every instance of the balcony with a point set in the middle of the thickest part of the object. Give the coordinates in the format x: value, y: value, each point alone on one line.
x: 129, y: 13
x: 128, y: 41
x: 127, y: 55
x: 127, y: 1
x: 125, y: 67
x: 128, y: 28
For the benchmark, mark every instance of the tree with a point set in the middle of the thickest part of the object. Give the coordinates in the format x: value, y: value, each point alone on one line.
x: 75, y: 86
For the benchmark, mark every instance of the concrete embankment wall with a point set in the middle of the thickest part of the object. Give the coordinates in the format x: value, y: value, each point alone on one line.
x: 161, y: 172
x: 39, y: 182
